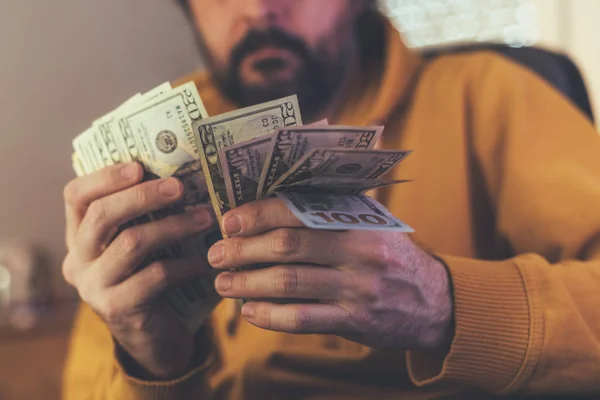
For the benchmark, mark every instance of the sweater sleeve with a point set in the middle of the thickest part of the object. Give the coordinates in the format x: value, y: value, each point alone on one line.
x: 529, y: 324
x: 93, y: 371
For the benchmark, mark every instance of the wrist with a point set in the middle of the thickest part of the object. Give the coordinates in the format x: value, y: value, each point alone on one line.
x: 151, y: 371
x: 167, y: 363
x: 440, y: 330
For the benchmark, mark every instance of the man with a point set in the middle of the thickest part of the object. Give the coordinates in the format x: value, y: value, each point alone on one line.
x: 496, y: 293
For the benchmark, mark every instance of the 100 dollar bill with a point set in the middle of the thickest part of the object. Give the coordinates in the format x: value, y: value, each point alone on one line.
x: 341, y: 212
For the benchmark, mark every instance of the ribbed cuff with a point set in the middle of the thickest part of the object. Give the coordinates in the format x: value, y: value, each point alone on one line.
x: 492, y: 328
x: 193, y: 385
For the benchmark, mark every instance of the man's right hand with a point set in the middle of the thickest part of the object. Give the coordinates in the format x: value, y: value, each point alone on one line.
x: 103, y: 263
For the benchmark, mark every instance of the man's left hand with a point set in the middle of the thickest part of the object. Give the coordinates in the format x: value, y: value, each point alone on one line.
x: 375, y: 288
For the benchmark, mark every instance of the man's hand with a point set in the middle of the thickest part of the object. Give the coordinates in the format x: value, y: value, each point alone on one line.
x: 103, y: 263
x: 375, y: 288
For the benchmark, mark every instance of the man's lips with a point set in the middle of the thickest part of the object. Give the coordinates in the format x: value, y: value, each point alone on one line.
x: 274, y: 61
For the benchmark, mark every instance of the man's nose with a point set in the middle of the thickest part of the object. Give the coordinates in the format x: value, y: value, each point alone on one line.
x: 262, y: 13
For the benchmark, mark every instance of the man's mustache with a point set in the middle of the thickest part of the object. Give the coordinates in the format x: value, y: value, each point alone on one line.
x: 273, y: 37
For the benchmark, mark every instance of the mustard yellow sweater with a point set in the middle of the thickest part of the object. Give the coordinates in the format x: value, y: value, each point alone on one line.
x: 506, y: 191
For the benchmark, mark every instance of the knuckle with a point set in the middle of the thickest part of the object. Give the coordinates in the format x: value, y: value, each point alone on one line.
x: 381, y: 253
x: 97, y: 212
x: 71, y: 192
x: 241, y: 280
x: 158, y: 272
x: 129, y: 241
x: 367, y: 289
x: 264, y: 317
x: 235, y: 248
x: 142, y: 197
x: 299, y: 320
x: 361, y: 317
x: 286, y: 241
x: 252, y: 218
x: 285, y: 280
x: 286, y: 212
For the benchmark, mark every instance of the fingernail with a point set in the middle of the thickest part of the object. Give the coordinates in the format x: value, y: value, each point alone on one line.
x: 232, y: 225
x: 223, y: 282
x: 248, y: 310
x: 216, y: 254
x: 201, y: 216
x: 169, y: 187
x: 129, y: 171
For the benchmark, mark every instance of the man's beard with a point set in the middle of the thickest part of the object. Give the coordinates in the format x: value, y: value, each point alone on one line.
x: 317, y: 79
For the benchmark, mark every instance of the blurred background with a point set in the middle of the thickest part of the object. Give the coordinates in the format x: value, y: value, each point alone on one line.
x: 66, y: 62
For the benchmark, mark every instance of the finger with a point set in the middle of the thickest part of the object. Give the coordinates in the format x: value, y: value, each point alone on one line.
x: 146, y: 285
x: 258, y: 217
x: 297, y: 318
x: 105, y: 215
x: 81, y: 192
x: 286, y: 281
x: 284, y: 245
x: 132, y: 246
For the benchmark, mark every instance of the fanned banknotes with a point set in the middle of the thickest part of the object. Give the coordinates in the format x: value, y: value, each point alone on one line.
x: 320, y: 171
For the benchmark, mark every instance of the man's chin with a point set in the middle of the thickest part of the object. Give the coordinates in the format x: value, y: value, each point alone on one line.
x: 312, y: 96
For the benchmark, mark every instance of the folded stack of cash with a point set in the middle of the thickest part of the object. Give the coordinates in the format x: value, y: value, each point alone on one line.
x: 320, y: 171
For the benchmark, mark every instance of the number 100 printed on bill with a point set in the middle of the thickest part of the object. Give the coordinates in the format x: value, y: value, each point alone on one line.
x: 341, y: 212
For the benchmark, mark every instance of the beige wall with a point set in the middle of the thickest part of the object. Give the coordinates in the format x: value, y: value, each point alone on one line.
x: 62, y: 64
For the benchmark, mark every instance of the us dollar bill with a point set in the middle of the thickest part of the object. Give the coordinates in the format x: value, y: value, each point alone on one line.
x: 106, y: 129
x: 215, y: 133
x: 79, y: 151
x: 159, y: 134
x: 242, y: 167
x: 99, y: 143
x: 85, y: 149
x: 100, y: 139
x: 341, y: 212
x: 289, y: 145
x: 340, y: 164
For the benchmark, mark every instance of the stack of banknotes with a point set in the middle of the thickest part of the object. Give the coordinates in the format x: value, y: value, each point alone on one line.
x: 320, y: 171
